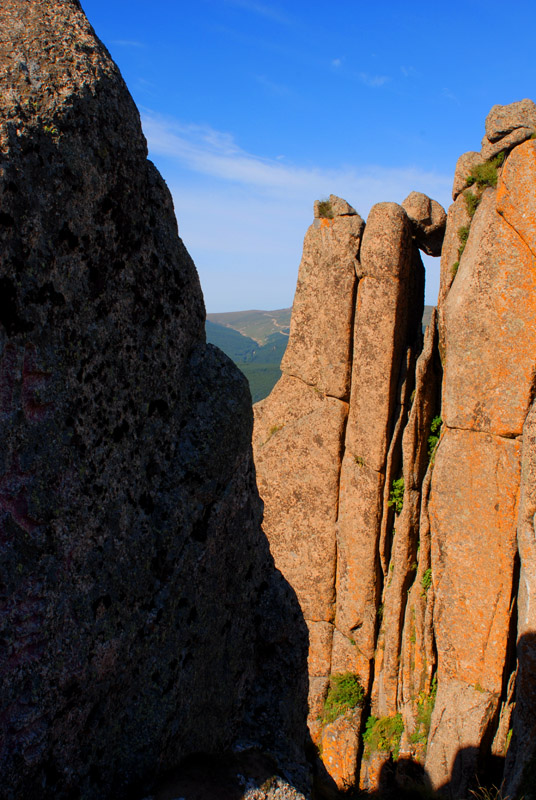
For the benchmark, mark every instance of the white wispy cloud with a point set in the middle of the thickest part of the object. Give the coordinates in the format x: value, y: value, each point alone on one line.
x: 449, y: 94
x: 127, y: 43
x: 262, y: 9
x: 272, y: 87
x: 243, y: 216
x: 408, y: 72
x: 374, y: 81
x: 337, y: 62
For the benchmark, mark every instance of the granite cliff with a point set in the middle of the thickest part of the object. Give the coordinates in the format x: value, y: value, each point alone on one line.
x: 397, y: 473
x: 142, y: 618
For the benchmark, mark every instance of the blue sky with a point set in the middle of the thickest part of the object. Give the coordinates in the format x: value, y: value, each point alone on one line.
x: 253, y: 109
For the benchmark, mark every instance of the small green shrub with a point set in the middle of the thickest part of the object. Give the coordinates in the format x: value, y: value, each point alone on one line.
x: 426, y: 581
x: 396, y: 495
x: 454, y: 269
x: 486, y: 174
x: 463, y: 235
x: 274, y: 429
x: 471, y: 203
x: 360, y: 461
x: 345, y: 692
x: 325, y: 210
x: 435, y: 432
x: 425, y: 707
x: 383, y: 734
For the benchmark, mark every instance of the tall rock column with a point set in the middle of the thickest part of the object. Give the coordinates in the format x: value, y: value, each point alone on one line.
x: 327, y: 436
x: 487, y: 316
x: 299, y: 431
x: 389, y: 303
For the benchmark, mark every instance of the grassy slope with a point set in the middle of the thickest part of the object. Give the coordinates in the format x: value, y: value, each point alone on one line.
x: 258, y: 325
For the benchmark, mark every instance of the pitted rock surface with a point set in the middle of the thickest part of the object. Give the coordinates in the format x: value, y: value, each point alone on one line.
x: 428, y: 585
x: 141, y: 613
x: 464, y: 165
x: 502, y: 120
x: 428, y: 219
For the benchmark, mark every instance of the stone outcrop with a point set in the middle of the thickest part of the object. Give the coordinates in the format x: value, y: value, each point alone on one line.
x: 433, y: 476
x: 508, y: 126
x: 321, y: 460
x: 142, y: 617
x: 428, y: 219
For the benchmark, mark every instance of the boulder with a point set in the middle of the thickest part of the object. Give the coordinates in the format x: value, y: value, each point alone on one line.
x: 508, y: 142
x: 142, y: 617
x: 428, y: 221
x: 507, y: 126
x: 502, y: 120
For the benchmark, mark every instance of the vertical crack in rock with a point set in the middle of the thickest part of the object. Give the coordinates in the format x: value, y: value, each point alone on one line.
x: 425, y: 600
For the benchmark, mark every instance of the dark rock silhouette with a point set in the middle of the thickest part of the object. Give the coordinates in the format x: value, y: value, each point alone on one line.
x: 142, y: 617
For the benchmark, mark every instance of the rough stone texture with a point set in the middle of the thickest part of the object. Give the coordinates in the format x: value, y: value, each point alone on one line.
x: 297, y: 425
x: 297, y: 456
x: 142, y: 616
x: 340, y: 747
x: 318, y: 351
x: 488, y: 315
x: 457, y: 217
x: 474, y: 489
x: 521, y: 763
x: 337, y: 206
x: 456, y: 736
x: 464, y: 165
x: 516, y: 200
x: 426, y: 601
x: 382, y: 304
x: 428, y: 219
x: 502, y: 120
x: 404, y: 552
x: 491, y: 149
x: 358, y: 590
x: 418, y: 654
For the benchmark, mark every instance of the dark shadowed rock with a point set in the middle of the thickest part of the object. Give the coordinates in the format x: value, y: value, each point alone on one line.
x: 142, y: 618
x: 428, y: 220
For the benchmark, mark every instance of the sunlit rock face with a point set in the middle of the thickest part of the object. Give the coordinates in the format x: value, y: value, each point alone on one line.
x: 407, y: 530
x: 142, y: 617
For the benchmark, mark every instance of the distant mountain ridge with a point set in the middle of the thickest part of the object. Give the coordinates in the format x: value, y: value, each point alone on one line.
x: 258, y: 325
x: 256, y: 341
